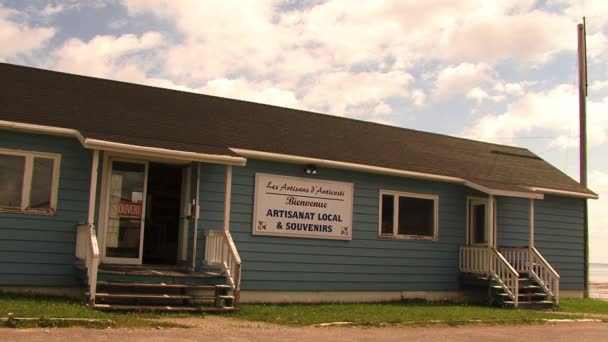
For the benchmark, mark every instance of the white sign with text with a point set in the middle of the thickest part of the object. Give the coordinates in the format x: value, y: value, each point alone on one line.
x: 302, y: 207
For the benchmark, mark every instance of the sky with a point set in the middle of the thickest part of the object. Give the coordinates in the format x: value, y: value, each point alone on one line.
x: 497, y: 71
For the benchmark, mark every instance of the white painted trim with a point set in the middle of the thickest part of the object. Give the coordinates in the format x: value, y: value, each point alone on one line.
x: 490, y: 237
x: 490, y: 215
x: 196, y: 214
x: 108, y: 173
x: 93, y: 186
x: 120, y: 147
x: 163, y: 153
x: 28, y: 173
x: 396, y: 235
x: 31, y: 128
x: 531, y: 222
x: 563, y: 193
x: 186, y: 208
x: 228, y: 197
x: 378, y: 170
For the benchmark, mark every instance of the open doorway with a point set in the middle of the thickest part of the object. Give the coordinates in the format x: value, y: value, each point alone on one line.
x: 162, y: 221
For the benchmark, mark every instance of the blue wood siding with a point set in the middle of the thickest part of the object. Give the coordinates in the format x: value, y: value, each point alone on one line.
x: 512, y: 222
x: 211, y: 200
x: 365, y: 263
x: 38, y: 250
x: 559, y: 236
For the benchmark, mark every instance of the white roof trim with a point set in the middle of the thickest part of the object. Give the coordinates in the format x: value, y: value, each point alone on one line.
x: 124, y: 148
x: 563, y: 192
x: 163, y: 152
x: 31, y: 128
x: 379, y: 170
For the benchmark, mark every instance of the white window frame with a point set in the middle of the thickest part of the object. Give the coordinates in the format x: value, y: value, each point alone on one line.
x: 28, y: 172
x: 396, y: 235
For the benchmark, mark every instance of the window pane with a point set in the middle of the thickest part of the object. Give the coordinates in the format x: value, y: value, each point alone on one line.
x: 11, y: 180
x: 387, y: 214
x: 416, y: 216
x: 42, y: 182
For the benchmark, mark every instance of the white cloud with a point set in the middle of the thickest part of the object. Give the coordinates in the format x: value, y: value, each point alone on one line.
x: 555, y: 110
x: 262, y: 92
x: 107, y: 56
x: 419, y: 97
x: 339, y: 92
x: 17, y: 39
x: 460, y: 79
x: 50, y: 9
x: 477, y: 94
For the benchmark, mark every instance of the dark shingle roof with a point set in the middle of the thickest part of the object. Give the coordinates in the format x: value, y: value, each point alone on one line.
x: 148, y: 116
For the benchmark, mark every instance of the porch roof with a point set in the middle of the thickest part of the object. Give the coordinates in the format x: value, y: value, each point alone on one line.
x: 137, y: 115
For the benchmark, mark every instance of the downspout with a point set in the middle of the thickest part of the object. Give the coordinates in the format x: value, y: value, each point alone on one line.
x: 228, y: 198
x: 93, y: 187
x: 196, y: 214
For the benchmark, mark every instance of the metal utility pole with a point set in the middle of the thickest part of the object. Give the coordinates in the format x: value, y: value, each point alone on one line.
x: 582, y: 100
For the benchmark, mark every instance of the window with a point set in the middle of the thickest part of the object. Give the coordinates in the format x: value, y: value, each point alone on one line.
x: 408, y: 215
x: 28, y: 181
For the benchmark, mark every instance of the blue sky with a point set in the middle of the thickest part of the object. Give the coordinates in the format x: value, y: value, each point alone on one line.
x: 497, y: 71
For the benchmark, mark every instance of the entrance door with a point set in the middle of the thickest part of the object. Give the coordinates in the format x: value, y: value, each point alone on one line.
x: 127, y: 185
x: 478, y: 221
x: 163, y: 211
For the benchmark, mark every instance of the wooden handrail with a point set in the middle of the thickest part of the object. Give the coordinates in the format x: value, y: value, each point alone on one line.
x: 489, y: 262
x: 544, y: 274
x: 221, y: 251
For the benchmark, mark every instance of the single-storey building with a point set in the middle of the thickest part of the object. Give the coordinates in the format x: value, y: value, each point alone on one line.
x: 139, y: 196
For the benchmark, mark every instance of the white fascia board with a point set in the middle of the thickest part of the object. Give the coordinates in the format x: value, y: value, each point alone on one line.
x: 50, y: 130
x: 378, y: 170
x: 563, y: 193
x: 163, y: 153
x: 120, y: 147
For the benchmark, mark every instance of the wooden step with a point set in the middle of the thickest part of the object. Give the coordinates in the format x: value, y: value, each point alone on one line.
x: 116, y: 307
x: 160, y: 285
x: 534, y: 294
x: 155, y: 296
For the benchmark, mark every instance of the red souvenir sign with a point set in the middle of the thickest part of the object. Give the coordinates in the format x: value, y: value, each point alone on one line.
x: 129, y: 209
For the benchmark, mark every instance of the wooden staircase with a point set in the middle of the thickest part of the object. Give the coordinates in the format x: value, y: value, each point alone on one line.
x: 154, y: 288
x: 517, y: 277
x: 530, y: 295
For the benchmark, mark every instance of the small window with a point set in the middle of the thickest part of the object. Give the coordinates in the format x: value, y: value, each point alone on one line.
x: 408, y: 216
x: 28, y: 181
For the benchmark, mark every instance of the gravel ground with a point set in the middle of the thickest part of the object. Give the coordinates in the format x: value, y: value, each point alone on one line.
x: 214, y: 328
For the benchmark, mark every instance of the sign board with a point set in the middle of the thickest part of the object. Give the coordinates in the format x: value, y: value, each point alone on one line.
x: 302, y: 207
x: 129, y: 209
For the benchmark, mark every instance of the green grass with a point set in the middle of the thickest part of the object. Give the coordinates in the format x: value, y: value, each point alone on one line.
x: 593, y: 306
x: 44, y: 308
x: 297, y: 315
x: 391, y: 313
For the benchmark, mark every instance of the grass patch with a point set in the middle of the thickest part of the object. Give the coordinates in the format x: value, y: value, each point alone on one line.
x: 391, y: 313
x: 46, y: 308
x: 586, y: 305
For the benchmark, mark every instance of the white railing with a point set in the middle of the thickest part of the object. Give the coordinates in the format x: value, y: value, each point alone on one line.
x: 544, y: 274
x: 488, y: 261
x: 518, y: 257
x: 220, y: 251
x: 87, y: 250
x: 529, y: 260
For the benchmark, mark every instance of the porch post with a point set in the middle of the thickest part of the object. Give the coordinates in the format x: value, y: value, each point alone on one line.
x: 490, y: 227
x: 228, y: 197
x: 93, y: 187
x: 531, y: 219
x: 197, y: 210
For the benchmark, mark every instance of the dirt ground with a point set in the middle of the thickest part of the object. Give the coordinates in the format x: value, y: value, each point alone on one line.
x: 227, y: 329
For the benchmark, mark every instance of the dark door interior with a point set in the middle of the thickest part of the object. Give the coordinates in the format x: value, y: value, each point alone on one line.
x: 478, y: 220
x: 162, y: 214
